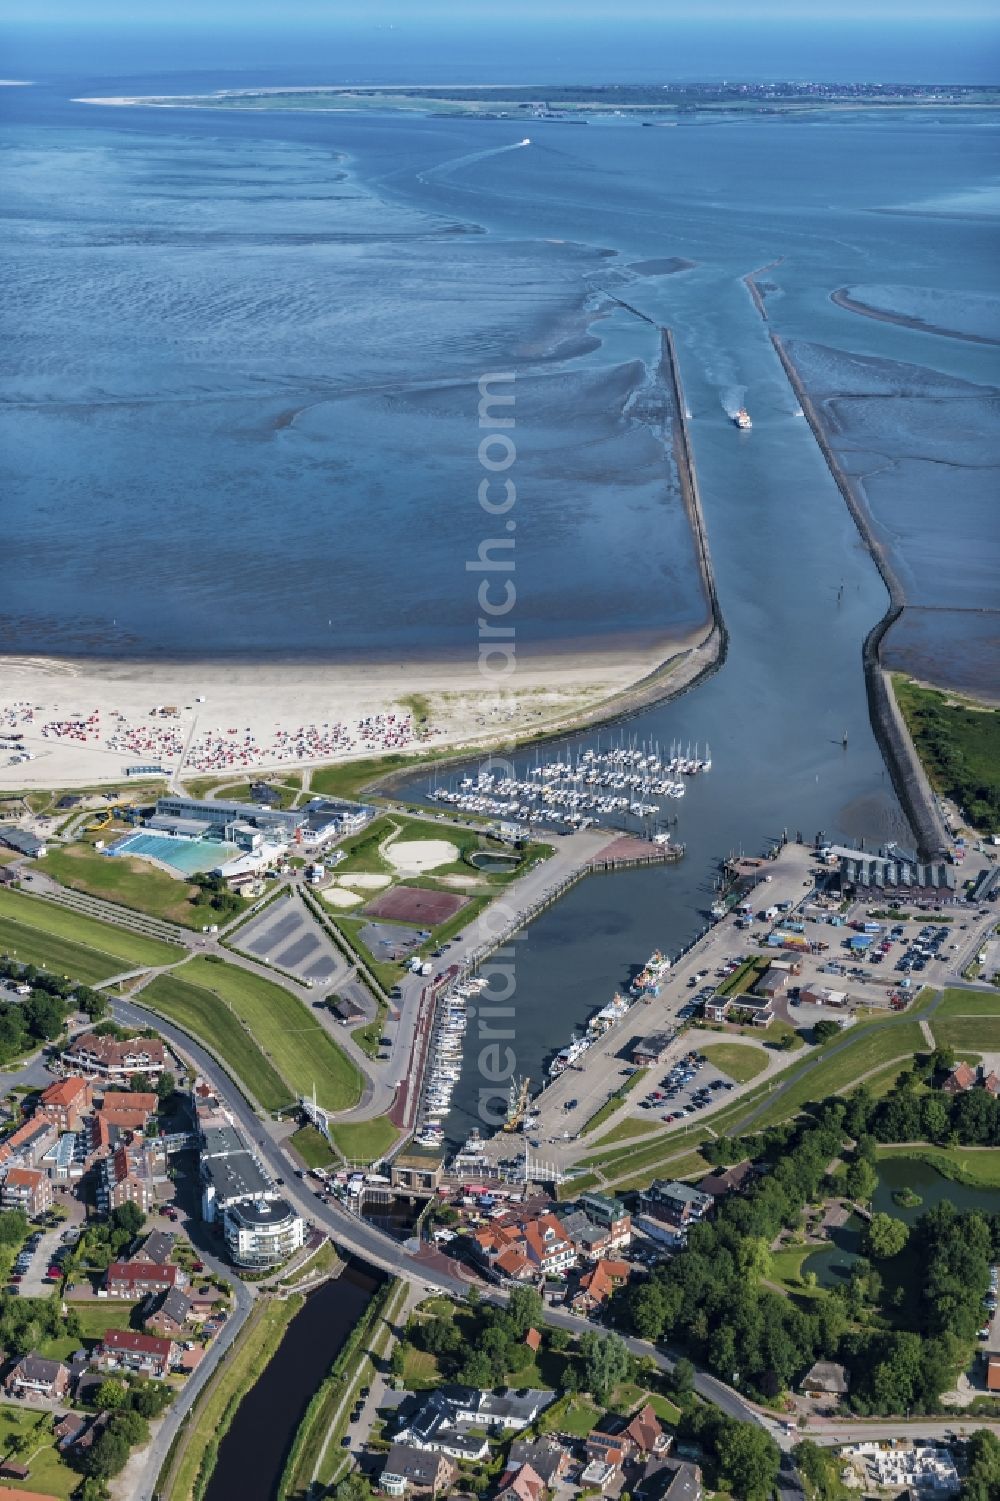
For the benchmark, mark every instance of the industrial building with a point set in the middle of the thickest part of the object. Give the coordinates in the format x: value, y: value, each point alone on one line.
x: 895, y: 879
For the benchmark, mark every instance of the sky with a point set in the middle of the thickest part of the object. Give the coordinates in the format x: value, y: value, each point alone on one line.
x: 510, y: 40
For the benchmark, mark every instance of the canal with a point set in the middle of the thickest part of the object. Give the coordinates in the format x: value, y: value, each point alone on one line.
x: 253, y: 1452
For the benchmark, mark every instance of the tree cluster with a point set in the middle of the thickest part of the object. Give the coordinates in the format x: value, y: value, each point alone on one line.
x: 25, y: 1323
x: 741, y: 1458
x: 971, y: 1118
x: 711, y: 1298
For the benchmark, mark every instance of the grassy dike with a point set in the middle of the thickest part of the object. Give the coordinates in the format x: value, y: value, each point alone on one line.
x: 317, y: 1440
x: 192, y: 1458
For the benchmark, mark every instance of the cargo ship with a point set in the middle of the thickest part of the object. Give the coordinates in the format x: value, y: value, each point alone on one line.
x: 742, y: 419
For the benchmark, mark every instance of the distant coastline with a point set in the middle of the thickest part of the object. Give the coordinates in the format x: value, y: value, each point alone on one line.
x: 906, y: 320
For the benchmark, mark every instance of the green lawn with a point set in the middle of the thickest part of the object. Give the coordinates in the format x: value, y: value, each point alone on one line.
x: 201, y: 1012
x: 286, y: 1031
x: 130, y: 881
x: 50, y: 1475
x: 959, y: 745
x: 670, y: 1143
x: 977, y: 1166
x: 365, y: 1141
x: 100, y: 1315
x: 574, y: 1415
x: 980, y: 1033
x: 786, y: 1266
x: 32, y: 946
x: 959, y: 1002
x: 89, y: 932
x: 736, y: 1060
x: 840, y: 1063
x: 666, y: 1411
x: 624, y: 1131
x: 687, y: 1165
x: 313, y: 1147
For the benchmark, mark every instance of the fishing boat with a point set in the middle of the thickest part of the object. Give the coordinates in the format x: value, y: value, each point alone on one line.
x: 742, y: 419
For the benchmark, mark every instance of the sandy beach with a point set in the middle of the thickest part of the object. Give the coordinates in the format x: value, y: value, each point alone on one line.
x: 80, y: 723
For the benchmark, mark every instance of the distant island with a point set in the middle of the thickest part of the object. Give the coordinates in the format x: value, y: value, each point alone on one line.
x: 665, y: 103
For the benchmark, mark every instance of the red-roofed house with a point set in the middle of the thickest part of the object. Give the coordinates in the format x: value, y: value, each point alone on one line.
x: 107, y: 1058
x: 597, y: 1285
x: 526, y: 1247
x: 122, y: 1349
x: 521, y: 1484
x: 28, y: 1189
x: 640, y: 1437
x: 137, y: 1279
x: 960, y: 1079
x: 66, y: 1102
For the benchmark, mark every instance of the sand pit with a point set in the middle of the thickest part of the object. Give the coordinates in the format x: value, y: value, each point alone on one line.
x: 363, y: 881
x: 411, y: 857
x: 336, y: 896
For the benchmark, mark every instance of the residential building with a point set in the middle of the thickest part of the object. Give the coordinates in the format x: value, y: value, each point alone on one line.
x: 549, y: 1460
x: 640, y: 1436
x: 66, y: 1103
x: 993, y: 1373
x: 27, y: 1189
x: 597, y: 1285
x: 137, y: 1279
x: 415, y: 1472
x: 128, y: 1176
x: 444, y: 1419
x: 66, y: 1159
x: 230, y: 1172
x: 669, y: 1480
x: 33, y: 1376
x: 727, y: 1180
x: 526, y: 1248
x: 262, y: 1233
x: 597, y: 1225
x: 107, y: 1058
x: 26, y: 1146
x: 158, y: 1247
x: 520, y: 1483
x: 122, y: 1349
x: 960, y: 1079
x: 826, y: 1377
x: 600, y: 1475
x: 169, y: 1314
x: 676, y: 1204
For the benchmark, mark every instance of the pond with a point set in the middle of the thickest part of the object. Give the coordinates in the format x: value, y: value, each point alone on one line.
x: 253, y: 1452
x: 833, y: 1263
x: 493, y: 862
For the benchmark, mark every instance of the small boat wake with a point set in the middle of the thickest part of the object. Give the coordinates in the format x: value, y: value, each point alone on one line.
x: 456, y: 163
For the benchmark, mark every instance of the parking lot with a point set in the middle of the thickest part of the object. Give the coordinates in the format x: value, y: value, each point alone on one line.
x: 286, y: 935
x: 686, y: 1087
x: 46, y: 1247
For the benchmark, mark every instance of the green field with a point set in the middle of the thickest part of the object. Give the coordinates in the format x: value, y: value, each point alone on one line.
x: 365, y: 1141
x: 201, y: 1013
x: 958, y: 1002
x: 981, y: 1033
x: 131, y: 882
x: 977, y: 1166
x: 959, y: 745
x: 50, y: 1475
x: 132, y: 949
x: 838, y: 1064
x: 312, y: 1146
x: 626, y: 1130
x: 97, y: 1317
x: 286, y: 1032
x: 734, y: 1059
x: 31, y: 946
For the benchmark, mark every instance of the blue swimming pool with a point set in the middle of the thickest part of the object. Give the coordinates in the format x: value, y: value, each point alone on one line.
x: 189, y: 856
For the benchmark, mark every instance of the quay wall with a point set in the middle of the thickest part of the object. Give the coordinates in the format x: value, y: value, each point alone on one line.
x: 908, y: 776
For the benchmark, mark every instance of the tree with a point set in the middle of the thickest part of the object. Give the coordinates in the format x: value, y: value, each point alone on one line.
x: 127, y: 1217
x: 351, y: 1488
x: 886, y: 1236
x: 983, y: 1455
x: 606, y: 1363
x: 13, y: 1227
x: 524, y: 1310
x: 749, y: 1459
x: 165, y: 1086
x: 477, y: 1370
x: 824, y: 1030
x: 107, y: 1456
x: 110, y: 1395
x: 860, y: 1180
x: 559, y: 1340
x: 682, y: 1379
